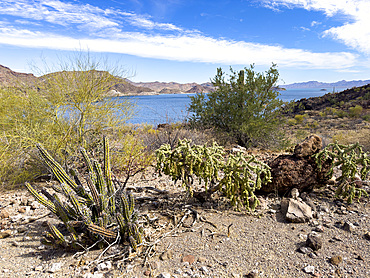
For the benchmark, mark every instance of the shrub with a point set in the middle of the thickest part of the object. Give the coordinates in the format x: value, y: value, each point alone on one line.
x: 355, y: 112
x: 300, y: 118
x: 63, y: 111
x: 246, y: 106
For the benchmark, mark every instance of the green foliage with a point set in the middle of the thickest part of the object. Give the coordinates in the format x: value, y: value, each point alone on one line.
x: 96, y: 209
x: 237, y: 176
x: 245, y: 106
x: 356, y: 111
x: 63, y: 111
x: 352, y: 161
x: 300, y: 118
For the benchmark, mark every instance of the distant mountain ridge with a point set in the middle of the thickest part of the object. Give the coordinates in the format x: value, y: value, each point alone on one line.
x: 127, y: 87
x: 318, y: 85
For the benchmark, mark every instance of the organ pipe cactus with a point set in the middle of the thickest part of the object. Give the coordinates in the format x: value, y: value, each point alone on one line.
x: 94, y: 209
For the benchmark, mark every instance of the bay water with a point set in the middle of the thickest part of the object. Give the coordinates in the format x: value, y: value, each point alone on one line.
x: 170, y: 108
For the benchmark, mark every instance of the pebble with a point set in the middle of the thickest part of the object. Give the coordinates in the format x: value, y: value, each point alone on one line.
x: 309, y: 269
x: 189, y: 259
x: 349, y: 227
x: 166, y: 255
x: 55, y: 267
x: 104, y: 266
x: 204, y: 270
x: 314, y: 241
x: 305, y: 250
x: 336, y: 260
x: 4, y: 214
x: 147, y: 273
x: 38, y: 268
x: 6, y: 233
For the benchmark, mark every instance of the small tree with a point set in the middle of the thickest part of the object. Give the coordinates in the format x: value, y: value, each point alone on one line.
x: 63, y: 110
x: 246, y: 105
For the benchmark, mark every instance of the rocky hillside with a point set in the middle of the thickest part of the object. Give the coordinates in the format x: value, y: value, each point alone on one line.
x: 176, y: 88
x: 318, y: 85
x: 9, y: 78
x: 344, y: 99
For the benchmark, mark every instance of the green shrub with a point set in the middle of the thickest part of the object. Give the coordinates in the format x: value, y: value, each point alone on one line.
x: 355, y: 112
x: 300, y: 118
x: 63, y: 111
x: 246, y: 105
x: 292, y: 122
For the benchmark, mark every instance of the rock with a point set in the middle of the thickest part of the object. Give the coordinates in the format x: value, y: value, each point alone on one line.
x: 55, y: 267
x: 296, y: 211
x: 294, y: 193
x: 204, y: 270
x: 314, y: 241
x: 202, y: 259
x: 298, y: 170
x: 336, y: 260
x: 305, y: 250
x: 34, y: 205
x: 189, y: 259
x: 309, y: 269
x: 38, y: 268
x: 104, y: 266
x: 22, y: 210
x: 155, y: 265
x: 367, y: 235
x: 252, y: 274
x: 349, y: 227
x: 4, y: 214
x: 166, y: 255
x: 6, y: 233
x: 147, y: 272
x: 311, y: 145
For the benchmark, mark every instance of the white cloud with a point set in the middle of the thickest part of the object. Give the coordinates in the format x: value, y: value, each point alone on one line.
x: 196, y: 48
x: 107, y: 34
x: 355, y: 33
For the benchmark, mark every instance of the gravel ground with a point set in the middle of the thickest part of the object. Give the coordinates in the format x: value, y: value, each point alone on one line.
x: 197, y: 239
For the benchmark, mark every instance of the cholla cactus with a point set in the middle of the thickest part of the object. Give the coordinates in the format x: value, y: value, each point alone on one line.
x: 96, y: 209
x: 240, y: 175
x: 352, y: 161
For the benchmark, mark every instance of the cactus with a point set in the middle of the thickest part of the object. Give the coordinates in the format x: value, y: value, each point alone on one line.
x: 351, y: 160
x: 93, y: 210
x: 241, y: 174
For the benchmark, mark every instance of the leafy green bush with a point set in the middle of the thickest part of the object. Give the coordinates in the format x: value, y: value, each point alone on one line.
x: 63, y: 111
x: 237, y: 176
x: 351, y: 160
x: 246, y: 106
x: 355, y: 112
x: 96, y: 210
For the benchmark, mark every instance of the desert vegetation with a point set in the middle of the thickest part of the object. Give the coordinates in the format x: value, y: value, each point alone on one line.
x: 52, y: 129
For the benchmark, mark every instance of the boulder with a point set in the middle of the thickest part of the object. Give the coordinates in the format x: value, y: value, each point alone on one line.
x: 298, y: 170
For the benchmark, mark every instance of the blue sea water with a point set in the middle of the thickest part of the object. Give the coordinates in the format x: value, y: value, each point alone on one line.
x: 169, y: 108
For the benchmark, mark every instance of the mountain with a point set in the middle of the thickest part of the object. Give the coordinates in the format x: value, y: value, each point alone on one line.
x: 318, y: 85
x: 175, y: 88
x: 9, y: 78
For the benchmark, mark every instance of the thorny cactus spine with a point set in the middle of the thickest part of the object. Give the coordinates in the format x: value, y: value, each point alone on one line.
x: 352, y: 160
x: 96, y: 210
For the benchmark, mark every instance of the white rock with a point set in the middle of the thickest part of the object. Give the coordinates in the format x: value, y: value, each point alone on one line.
x: 55, y: 267
x: 309, y: 269
x: 204, y: 270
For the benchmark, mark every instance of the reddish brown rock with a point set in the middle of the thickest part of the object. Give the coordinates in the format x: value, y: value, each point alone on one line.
x: 298, y: 170
x: 188, y: 258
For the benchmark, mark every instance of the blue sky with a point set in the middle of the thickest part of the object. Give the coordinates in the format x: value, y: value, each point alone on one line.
x: 185, y: 41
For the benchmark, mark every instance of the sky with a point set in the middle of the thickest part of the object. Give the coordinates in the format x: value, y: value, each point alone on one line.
x: 187, y: 40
